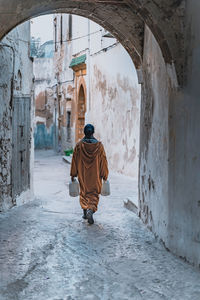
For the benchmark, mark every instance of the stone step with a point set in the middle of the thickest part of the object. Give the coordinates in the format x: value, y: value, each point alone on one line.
x: 131, y: 204
x: 67, y: 159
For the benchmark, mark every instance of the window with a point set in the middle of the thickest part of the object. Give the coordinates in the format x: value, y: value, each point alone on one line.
x: 68, y: 125
x: 61, y: 29
x: 55, y: 33
x: 70, y: 28
x: 19, y: 80
x: 68, y: 119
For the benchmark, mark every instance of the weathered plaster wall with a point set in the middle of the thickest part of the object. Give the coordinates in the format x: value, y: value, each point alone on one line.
x: 169, y: 162
x: 6, y: 67
x: 153, y: 191
x: 16, y: 80
x: 65, y: 81
x: 184, y: 168
x: 115, y: 108
x: 178, y: 225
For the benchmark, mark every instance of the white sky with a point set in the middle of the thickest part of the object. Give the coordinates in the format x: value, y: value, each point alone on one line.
x: 42, y: 27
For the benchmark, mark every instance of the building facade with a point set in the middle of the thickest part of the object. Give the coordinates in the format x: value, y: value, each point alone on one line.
x: 96, y: 81
x: 45, y: 104
x: 16, y: 118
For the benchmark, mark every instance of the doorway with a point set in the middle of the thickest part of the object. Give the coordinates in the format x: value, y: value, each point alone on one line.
x: 80, y: 114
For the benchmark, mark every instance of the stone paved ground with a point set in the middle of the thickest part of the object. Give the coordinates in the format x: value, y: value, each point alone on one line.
x: 47, y: 252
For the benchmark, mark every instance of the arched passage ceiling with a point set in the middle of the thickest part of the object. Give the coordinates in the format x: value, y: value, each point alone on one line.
x: 125, y: 19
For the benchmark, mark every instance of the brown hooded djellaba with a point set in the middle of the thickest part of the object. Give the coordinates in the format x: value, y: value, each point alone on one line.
x: 89, y: 163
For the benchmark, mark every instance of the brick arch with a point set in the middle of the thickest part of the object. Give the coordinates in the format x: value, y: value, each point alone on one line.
x: 125, y: 19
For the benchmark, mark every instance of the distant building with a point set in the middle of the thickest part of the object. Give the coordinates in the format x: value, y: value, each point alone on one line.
x: 34, y: 46
x: 45, y: 50
x: 44, y: 124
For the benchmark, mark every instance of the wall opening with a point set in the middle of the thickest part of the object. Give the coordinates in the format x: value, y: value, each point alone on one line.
x: 81, y: 114
x: 74, y: 84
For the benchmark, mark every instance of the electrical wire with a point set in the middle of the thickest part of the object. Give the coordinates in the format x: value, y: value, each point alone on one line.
x: 65, y: 41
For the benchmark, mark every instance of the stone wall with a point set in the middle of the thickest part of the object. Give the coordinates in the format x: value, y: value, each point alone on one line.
x: 16, y: 81
x: 6, y: 80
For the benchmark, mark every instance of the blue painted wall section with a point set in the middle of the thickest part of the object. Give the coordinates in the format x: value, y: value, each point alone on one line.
x: 43, y: 137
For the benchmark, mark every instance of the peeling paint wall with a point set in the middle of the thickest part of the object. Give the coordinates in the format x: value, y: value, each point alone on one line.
x: 115, y: 106
x: 184, y: 154
x: 169, y: 161
x: 65, y: 82
x: 169, y: 127
x: 15, y: 81
x: 6, y: 66
x: 153, y: 191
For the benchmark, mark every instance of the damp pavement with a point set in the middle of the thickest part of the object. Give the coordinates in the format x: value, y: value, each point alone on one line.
x: 47, y: 252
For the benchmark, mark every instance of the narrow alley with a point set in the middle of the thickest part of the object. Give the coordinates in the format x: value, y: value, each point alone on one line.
x: 48, y: 252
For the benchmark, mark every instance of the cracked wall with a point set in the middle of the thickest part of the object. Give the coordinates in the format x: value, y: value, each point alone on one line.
x: 169, y: 159
x: 6, y: 66
x: 153, y: 191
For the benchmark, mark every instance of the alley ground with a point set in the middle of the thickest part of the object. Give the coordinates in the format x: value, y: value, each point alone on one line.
x: 47, y: 252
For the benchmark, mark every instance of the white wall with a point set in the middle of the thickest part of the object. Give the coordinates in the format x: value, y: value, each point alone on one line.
x: 170, y: 162
x: 115, y: 108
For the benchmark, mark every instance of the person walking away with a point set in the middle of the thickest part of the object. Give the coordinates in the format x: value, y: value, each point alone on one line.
x: 89, y: 163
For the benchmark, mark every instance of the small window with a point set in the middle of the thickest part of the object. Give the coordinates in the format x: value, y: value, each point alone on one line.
x: 70, y: 28
x: 61, y: 29
x: 68, y: 119
x: 55, y: 33
x: 19, y: 80
x: 68, y: 125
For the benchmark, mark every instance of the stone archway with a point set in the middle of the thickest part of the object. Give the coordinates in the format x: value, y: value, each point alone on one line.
x: 152, y: 32
x: 127, y: 23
